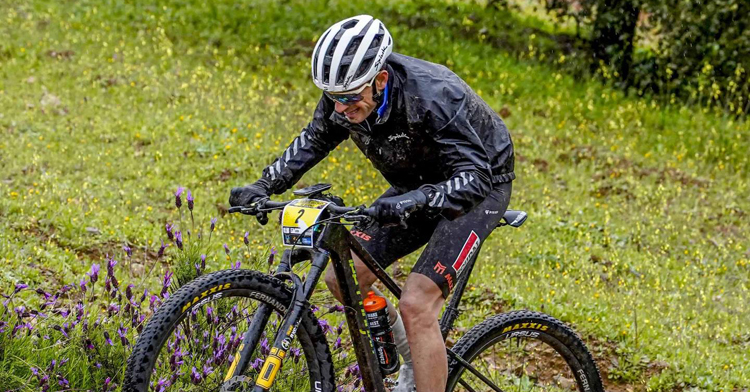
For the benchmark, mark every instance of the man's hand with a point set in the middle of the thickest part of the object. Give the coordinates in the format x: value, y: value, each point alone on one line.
x: 249, y: 194
x: 245, y: 195
x: 397, y: 208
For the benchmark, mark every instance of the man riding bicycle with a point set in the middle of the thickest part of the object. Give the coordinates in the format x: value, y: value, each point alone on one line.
x: 446, y: 154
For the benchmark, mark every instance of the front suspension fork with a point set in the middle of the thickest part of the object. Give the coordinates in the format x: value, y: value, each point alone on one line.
x: 288, y: 329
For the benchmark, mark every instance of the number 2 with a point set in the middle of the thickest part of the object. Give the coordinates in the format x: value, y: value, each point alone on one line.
x: 301, y: 212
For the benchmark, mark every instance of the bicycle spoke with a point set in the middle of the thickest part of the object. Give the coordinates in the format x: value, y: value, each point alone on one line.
x: 519, y: 365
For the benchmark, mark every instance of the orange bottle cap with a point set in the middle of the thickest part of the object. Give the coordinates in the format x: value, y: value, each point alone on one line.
x: 374, y: 302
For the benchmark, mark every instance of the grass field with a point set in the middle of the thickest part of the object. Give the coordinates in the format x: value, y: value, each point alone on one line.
x: 639, y: 211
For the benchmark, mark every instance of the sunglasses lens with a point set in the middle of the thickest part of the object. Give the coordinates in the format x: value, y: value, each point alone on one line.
x: 345, y: 99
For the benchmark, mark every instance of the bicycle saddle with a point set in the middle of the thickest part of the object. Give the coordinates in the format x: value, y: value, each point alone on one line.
x: 513, y: 218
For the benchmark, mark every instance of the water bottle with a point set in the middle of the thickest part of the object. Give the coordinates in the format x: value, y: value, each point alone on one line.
x: 382, y: 335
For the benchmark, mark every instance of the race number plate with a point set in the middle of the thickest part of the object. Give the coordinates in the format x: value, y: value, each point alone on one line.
x: 297, y: 219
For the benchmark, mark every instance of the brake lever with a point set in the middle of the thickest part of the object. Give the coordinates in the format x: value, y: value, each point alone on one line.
x: 403, y: 223
x: 250, y: 209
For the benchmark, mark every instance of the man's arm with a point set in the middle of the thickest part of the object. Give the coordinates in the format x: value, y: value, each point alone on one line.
x: 463, y: 151
x: 313, y: 144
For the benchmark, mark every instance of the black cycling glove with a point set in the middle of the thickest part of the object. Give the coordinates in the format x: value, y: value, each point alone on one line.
x: 257, y: 191
x: 395, y: 209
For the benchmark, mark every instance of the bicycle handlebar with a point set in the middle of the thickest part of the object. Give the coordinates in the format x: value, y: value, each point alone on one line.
x: 267, y: 205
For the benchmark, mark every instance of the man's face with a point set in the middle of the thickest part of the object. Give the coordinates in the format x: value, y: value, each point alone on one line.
x: 359, y: 111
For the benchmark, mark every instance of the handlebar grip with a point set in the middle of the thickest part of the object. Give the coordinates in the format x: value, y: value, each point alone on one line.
x: 234, y: 209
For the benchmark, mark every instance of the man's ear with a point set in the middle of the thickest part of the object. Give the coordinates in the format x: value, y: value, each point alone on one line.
x: 381, y: 80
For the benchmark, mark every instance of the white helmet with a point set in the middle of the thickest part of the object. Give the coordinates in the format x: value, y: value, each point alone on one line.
x: 350, y: 53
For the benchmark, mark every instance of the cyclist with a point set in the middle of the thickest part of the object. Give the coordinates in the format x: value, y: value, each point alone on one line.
x: 446, y: 154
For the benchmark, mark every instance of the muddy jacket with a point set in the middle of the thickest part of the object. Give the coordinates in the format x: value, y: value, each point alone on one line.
x: 430, y: 132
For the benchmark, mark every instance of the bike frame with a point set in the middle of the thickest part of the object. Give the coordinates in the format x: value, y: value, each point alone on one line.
x: 335, y: 244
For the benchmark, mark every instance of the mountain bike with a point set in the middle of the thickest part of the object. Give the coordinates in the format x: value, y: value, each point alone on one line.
x: 243, y: 330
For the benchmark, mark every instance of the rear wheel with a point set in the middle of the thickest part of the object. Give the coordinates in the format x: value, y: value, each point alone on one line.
x: 524, y: 351
x: 191, y: 341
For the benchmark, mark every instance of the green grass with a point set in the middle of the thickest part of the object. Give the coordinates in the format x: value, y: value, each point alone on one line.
x: 638, y: 225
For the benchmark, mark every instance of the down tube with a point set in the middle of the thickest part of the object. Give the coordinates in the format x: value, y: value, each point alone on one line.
x: 343, y: 266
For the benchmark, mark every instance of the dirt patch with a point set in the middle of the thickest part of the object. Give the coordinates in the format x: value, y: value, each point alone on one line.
x: 541, y: 165
x: 93, y: 252
x: 611, y: 364
x: 61, y: 54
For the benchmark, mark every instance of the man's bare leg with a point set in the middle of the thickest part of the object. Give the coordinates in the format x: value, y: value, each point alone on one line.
x: 420, y: 305
x: 365, y: 277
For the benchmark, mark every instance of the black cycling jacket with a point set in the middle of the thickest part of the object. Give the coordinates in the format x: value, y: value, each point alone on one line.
x: 431, y: 132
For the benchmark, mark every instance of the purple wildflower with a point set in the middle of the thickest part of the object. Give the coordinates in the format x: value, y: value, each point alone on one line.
x: 236, y: 266
x: 106, y: 384
x: 166, y: 282
x: 337, y: 345
x: 213, y: 223
x: 111, y: 263
x: 129, y: 292
x: 177, y: 198
x: 128, y: 250
x: 122, y: 332
x: 178, y: 239
x: 94, y: 273
x: 256, y: 365
x: 203, y: 262
x: 226, y: 249
x: 352, y: 370
x: 247, y: 241
x: 195, y: 376
x: 161, y: 249
x: 83, y: 285
x: 19, y: 287
x: 207, y: 370
x: 106, y: 337
x: 295, y: 353
x: 272, y: 256
x: 336, y: 308
x: 113, y: 309
x: 190, y: 200
x: 324, y: 324
x: 43, y: 293
x: 168, y: 228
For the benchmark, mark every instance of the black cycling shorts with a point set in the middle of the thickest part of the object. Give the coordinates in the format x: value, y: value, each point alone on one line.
x: 451, y: 245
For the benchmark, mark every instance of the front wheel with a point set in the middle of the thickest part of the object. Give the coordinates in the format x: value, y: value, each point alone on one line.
x: 524, y: 351
x: 192, y: 340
